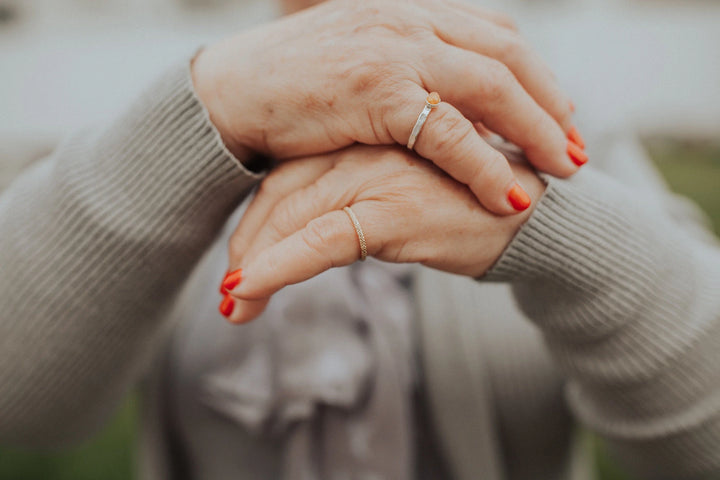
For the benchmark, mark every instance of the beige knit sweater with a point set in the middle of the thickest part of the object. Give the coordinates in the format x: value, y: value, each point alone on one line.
x: 97, y: 240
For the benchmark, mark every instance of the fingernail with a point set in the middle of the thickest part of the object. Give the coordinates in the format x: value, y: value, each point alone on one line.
x: 223, y: 291
x: 232, y: 279
x: 572, y: 106
x: 227, y: 305
x: 576, y: 154
x: 518, y: 198
x: 575, y: 136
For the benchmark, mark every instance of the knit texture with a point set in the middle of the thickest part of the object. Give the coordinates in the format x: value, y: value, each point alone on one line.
x: 96, y: 241
x: 629, y: 305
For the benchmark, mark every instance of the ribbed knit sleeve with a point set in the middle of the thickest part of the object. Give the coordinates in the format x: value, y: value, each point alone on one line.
x: 95, y: 242
x: 629, y: 304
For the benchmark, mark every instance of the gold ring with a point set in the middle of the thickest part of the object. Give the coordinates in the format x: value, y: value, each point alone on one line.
x: 432, y: 101
x: 359, y: 231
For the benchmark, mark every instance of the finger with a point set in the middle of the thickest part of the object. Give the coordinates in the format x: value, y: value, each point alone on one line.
x: 288, y: 216
x: 487, y: 38
x: 242, y: 311
x: 485, y: 90
x: 297, y: 209
x: 284, y: 180
x: 451, y: 141
x: 326, y: 242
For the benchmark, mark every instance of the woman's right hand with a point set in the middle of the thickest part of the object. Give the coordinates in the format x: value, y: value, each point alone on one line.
x: 408, y: 210
x: 345, y: 72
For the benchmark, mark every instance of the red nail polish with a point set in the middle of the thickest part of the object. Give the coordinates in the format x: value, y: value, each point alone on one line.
x: 232, y: 279
x: 223, y: 291
x: 518, y: 198
x: 226, y: 306
x: 576, y: 154
x: 575, y: 136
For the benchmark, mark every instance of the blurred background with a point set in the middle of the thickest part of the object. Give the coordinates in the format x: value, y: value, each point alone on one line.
x: 646, y: 68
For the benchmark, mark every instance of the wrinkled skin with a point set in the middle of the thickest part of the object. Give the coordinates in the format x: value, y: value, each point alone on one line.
x: 346, y: 72
x: 410, y: 211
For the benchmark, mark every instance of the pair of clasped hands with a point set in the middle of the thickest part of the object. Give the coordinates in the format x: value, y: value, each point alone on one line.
x: 333, y: 92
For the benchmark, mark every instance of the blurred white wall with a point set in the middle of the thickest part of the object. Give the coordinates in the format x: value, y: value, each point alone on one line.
x: 68, y: 63
x: 649, y: 65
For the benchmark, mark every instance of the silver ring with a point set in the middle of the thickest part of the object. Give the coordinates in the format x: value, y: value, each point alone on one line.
x: 432, y: 101
x: 359, y: 231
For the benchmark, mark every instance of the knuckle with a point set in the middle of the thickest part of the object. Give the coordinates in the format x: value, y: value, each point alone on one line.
x: 451, y: 130
x: 316, y: 197
x: 514, y: 49
x: 539, y: 130
x: 506, y: 21
x: 499, y: 81
x: 487, y: 172
x: 280, y: 220
x: 292, y: 213
x: 564, y: 115
x: 482, y: 169
x: 366, y: 75
x: 392, y: 109
x: 383, y: 18
x: 320, y: 235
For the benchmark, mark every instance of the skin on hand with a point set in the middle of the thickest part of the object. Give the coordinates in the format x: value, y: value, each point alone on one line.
x: 346, y: 72
x: 410, y: 211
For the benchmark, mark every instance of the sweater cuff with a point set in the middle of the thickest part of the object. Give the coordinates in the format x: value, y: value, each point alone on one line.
x: 627, y: 303
x: 577, y: 236
x: 591, y: 238
x: 165, y: 147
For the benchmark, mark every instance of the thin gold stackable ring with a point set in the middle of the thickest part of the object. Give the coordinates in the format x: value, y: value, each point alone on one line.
x: 432, y: 101
x: 359, y: 231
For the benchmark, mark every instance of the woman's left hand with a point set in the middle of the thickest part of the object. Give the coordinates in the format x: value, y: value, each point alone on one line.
x: 409, y: 210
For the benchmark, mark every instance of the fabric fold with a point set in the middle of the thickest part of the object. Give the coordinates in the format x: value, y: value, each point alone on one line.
x: 330, y: 372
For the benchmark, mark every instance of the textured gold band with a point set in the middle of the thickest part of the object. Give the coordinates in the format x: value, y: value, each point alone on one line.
x: 359, y: 231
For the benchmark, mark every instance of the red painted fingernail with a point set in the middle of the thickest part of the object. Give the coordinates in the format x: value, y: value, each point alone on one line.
x: 572, y: 106
x: 518, y: 198
x: 223, y: 291
x: 232, y: 279
x: 227, y: 305
x: 576, y: 154
x: 575, y: 136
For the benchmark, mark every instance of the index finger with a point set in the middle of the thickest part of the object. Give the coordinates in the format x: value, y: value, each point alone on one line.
x: 326, y: 242
x: 283, y: 181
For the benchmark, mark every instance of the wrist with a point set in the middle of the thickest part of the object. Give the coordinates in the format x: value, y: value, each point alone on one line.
x: 209, y: 77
